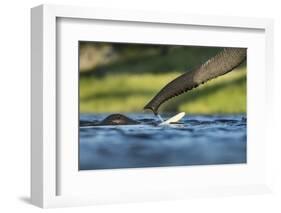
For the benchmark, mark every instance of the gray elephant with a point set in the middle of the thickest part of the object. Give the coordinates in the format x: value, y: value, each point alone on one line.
x: 222, y: 63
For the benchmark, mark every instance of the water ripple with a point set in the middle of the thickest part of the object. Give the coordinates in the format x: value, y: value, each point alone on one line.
x: 198, y: 140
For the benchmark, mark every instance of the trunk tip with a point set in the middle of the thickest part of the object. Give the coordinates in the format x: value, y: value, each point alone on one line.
x: 148, y: 107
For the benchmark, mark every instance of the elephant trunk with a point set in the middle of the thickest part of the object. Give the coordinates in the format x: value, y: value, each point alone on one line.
x: 222, y: 63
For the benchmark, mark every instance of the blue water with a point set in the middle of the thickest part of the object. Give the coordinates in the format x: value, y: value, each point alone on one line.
x: 198, y: 140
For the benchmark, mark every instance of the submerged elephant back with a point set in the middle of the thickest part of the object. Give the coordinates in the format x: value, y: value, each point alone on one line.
x: 117, y: 119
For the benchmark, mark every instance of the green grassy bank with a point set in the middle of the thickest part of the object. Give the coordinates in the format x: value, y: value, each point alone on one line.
x: 129, y: 92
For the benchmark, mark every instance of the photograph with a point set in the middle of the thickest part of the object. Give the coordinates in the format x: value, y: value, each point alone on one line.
x: 161, y: 105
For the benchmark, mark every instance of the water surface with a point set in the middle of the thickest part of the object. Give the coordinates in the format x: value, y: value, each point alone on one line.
x: 198, y: 140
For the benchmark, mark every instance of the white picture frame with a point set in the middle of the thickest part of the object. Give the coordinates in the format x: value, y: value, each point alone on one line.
x: 48, y: 167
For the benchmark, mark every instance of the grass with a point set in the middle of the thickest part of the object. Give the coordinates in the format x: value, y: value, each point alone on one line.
x: 130, y: 91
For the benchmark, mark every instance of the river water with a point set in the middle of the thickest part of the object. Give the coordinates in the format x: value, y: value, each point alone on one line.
x: 197, y: 140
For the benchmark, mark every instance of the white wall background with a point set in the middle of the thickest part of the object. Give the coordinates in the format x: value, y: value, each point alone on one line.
x: 15, y: 103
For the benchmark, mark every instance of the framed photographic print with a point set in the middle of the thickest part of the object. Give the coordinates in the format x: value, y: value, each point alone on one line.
x: 132, y: 105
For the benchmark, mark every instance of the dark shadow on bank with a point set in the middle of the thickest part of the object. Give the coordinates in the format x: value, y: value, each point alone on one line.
x: 178, y: 59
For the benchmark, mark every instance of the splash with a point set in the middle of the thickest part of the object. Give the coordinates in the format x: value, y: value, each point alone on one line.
x: 160, y: 118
